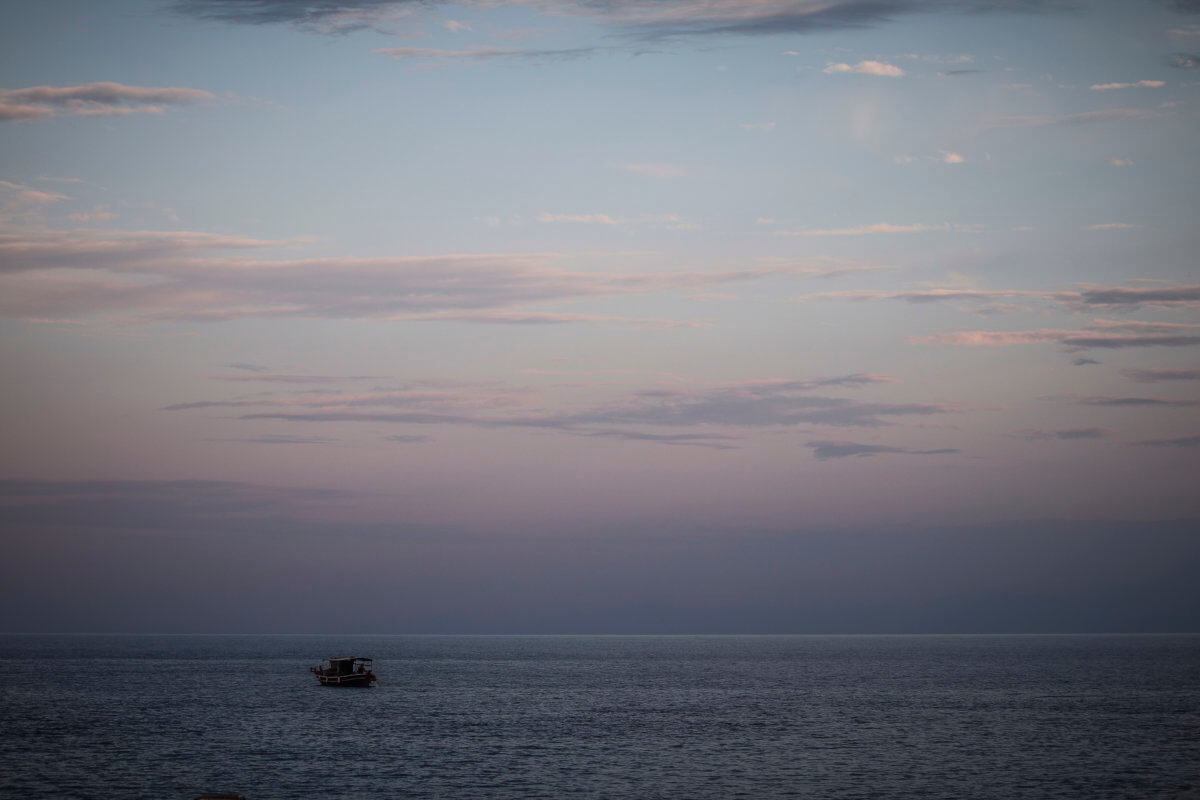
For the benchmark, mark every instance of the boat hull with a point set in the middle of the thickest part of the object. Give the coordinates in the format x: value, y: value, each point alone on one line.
x: 347, y: 681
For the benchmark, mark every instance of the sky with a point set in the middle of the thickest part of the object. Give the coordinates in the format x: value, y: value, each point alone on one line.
x: 571, y: 316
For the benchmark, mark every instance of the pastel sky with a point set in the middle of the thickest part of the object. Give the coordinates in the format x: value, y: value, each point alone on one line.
x: 505, y: 282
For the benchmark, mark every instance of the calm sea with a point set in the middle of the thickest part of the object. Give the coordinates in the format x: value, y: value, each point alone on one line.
x: 592, y: 716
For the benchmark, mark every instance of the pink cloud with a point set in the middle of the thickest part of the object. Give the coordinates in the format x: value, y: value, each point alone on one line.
x: 177, y: 276
x: 1073, y: 339
x: 21, y: 112
x: 878, y: 68
x: 1089, y: 297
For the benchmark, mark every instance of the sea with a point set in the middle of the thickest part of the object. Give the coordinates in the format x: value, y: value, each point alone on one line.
x: 602, y: 717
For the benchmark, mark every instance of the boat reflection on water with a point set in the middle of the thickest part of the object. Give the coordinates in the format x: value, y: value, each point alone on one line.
x: 345, y: 671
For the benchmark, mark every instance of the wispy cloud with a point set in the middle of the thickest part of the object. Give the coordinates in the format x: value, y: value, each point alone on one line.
x: 92, y: 100
x: 1161, y: 375
x: 261, y: 375
x: 317, y: 16
x: 1138, y: 402
x: 675, y: 222
x: 1184, y: 60
x: 132, y: 251
x: 401, y: 438
x: 513, y: 317
x: 990, y: 297
x: 1127, y: 296
x: 692, y: 18
x: 23, y: 112
x: 142, y: 504
x: 710, y: 441
x: 772, y: 386
x: 1072, y: 339
x: 16, y: 198
x: 1178, y: 441
x: 426, y: 398
x: 826, y: 267
x: 1090, y: 297
x: 279, y: 438
x: 151, y: 277
x: 641, y: 19
x: 752, y: 404
x: 943, y: 156
x: 878, y: 68
x: 99, y: 213
x: 1140, y: 326
x: 1104, y: 87
x: 721, y: 411
x: 1111, y: 226
x: 1064, y: 434
x: 825, y: 450
x: 586, y: 219
x: 869, y: 230
x: 479, y: 54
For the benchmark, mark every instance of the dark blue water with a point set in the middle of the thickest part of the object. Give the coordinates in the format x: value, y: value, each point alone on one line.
x: 640, y: 717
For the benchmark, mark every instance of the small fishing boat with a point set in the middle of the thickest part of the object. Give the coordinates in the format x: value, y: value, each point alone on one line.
x: 345, y: 671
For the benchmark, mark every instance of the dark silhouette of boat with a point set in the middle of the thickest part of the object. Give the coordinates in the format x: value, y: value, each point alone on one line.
x: 345, y: 671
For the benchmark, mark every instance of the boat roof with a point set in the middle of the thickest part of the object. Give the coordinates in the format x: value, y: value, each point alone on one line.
x: 350, y: 658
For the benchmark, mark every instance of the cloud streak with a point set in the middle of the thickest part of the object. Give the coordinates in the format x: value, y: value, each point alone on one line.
x: 751, y: 405
x: 261, y: 375
x: 1091, y: 297
x: 1161, y: 375
x: 709, y: 441
x: 101, y: 99
x: 667, y: 221
x: 639, y: 19
x: 481, y: 54
x: 318, y: 16
x: 877, y: 68
x: 827, y: 450
x: 1138, y: 402
x: 1064, y: 434
x: 186, y: 276
x: 869, y: 230
x: 1178, y: 441
x: 1125, y: 296
x: 16, y: 198
x: 125, y: 251
x: 1072, y: 339
x: 279, y: 438
x: 1104, y: 87
x: 148, y: 504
